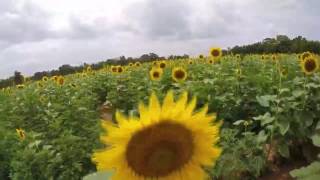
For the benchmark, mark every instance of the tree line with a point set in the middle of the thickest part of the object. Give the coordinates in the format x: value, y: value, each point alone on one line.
x: 279, y: 44
x: 66, y: 69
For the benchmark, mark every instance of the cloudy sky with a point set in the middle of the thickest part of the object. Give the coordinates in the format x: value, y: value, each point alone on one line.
x: 37, y: 35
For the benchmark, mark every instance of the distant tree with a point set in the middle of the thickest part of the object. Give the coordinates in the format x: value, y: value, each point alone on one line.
x: 153, y: 56
x: 18, y: 78
x: 280, y: 44
x: 66, y: 69
x: 40, y: 75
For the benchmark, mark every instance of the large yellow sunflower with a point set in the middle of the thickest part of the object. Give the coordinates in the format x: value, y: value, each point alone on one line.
x: 20, y: 86
x: 216, y: 52
x: 167, y: 142
x: 305, y: 55
x: 179, y: 74
x: 89, y: 69
x: 210, y: 61
x: 114, y: 69
x: 310, y: 65
x: 55, y: 78
x: 137, y: 64
x: 120, y: 69
x: 163, y: 64
x: 60, y: 80
x: 45, y: 78
x: 21, y: 133
x: 155, y: 74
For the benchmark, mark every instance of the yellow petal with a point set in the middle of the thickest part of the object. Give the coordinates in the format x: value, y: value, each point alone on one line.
x: 191, y: 106
x: 182, y: 102
x: 193, y: 171
x: 154, y: 107
x: 121, y: 119
x: 168, y: 104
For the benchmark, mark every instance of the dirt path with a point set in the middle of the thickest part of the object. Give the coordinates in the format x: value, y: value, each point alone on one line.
x: 106, y: 113
x: 282, y: 173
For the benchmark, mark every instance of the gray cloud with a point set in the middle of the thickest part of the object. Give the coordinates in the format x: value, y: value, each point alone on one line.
x: 23, y: 23
x: 29, y: 40
x: 181, y: 20
x: 160, y: 19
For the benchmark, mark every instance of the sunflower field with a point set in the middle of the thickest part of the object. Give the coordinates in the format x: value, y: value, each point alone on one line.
x: 216, y: 117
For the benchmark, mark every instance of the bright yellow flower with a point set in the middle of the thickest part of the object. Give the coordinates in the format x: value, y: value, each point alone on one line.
x: 21, y: 133
x: 45, y: 78
x: 216, y: 52
x: 114, y: 69
x: 137, y: 64
x: 210, y: 61
x: 55, y: 78
x: 168, y: 141
x: 155, y: 74
x: 120, y: 69
x: 179, y: 74
x: 305, y: 55
x: 89, y: 69
x: 60, y: 80
x: 163, y: 64
x: 310, y: 65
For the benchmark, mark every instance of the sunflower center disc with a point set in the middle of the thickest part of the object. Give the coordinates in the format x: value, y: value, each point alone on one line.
x: 162, y: 65
x: 160, y: 149
x: 310, y: 65
x: 179, y: 74
x: 215, y: 53
x: 156, y: 74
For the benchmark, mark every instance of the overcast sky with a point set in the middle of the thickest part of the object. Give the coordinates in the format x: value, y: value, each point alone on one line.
x: 37, y: 35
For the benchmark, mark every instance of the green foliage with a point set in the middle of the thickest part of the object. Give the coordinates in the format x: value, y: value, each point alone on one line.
x: 258, y: 106
x: 243, y: 156
x: 61, y: 125
x: 280, y: 44
x: 311, y: 172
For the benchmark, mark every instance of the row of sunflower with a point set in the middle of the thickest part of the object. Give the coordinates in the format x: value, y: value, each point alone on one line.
x: 57, y: 118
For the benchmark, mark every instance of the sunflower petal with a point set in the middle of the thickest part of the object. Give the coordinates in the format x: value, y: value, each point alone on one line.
x: 191, y: 106
x: 121, y: 119
x: 182, y: 102
x: 154, y: 106
x: 168, y: 104
x: 144, y: 113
